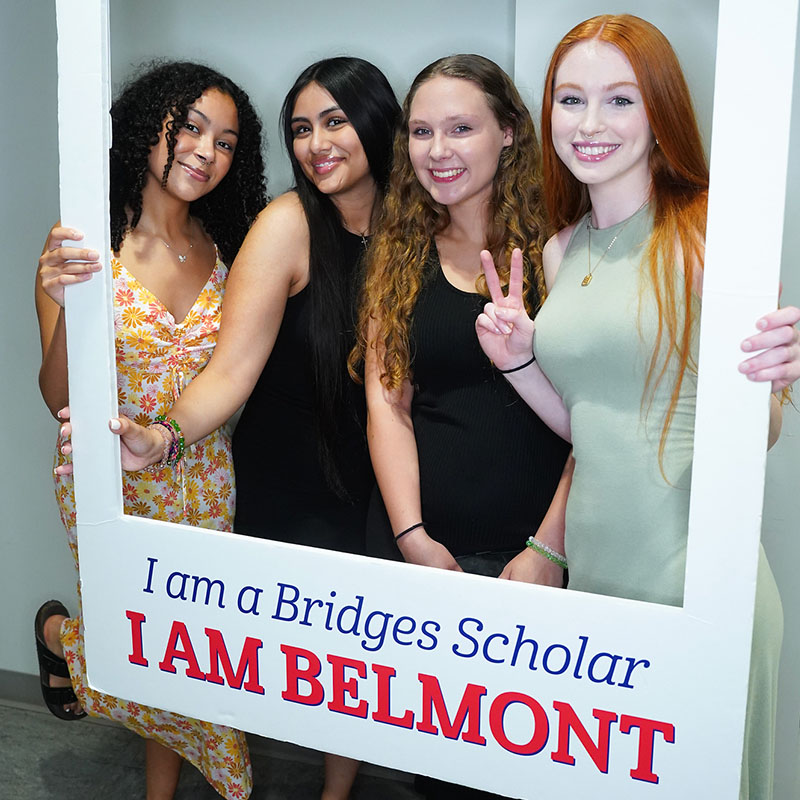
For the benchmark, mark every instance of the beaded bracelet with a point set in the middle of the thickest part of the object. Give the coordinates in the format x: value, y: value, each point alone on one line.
x: 408, y: 530
x: 548, y: 552
x: 178, y: 443
x: 166, y: 434
x: 170, y: 439
x: 517, y: 369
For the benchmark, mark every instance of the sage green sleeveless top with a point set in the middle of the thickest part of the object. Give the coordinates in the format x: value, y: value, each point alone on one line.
x: 626, y: 520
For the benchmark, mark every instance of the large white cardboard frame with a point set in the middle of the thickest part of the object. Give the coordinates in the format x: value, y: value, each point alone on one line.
x: 660, y: 691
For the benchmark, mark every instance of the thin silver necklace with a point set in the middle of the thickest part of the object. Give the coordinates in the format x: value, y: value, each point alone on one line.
x: 180, y: 256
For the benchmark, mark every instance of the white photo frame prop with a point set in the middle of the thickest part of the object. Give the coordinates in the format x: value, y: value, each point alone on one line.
x: 523, y: 690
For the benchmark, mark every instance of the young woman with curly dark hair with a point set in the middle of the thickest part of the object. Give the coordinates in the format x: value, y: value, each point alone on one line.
x: 186, y: 183
x: 302, y: 467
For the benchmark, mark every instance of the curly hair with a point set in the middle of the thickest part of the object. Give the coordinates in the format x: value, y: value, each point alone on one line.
x: 398, y: 259
x: 164, y: 90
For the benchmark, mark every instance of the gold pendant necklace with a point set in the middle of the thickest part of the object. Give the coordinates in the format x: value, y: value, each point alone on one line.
x: 587, y: 279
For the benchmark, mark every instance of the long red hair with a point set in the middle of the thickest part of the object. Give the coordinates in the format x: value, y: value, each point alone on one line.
x: 679, y: 191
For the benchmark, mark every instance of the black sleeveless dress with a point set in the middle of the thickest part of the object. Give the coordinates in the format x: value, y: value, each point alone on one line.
x: 281, y: 492
x: 489, y: 467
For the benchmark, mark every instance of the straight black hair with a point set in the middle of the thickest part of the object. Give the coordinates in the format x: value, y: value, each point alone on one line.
x: 367, y: 100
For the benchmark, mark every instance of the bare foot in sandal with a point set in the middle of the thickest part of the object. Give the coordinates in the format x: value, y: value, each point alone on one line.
x: 52, y: 666
x: 52, y: 638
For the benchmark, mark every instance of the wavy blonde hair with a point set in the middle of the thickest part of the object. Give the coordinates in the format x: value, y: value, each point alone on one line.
x: 398, y: 256
x: 679, y: 193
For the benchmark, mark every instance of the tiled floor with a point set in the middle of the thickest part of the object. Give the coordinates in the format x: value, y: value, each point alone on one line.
x: 43, y: 758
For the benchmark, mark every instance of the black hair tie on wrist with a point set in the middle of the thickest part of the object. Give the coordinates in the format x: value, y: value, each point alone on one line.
x: 516, y: 369
x: 408, y: 530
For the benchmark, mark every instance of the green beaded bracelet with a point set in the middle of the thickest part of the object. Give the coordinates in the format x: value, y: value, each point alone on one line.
x: 178, y: 447
x: 543, y: 550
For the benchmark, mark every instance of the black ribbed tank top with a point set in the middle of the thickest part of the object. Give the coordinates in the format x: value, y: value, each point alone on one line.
x: 281, y: 492
x: 488, y: 465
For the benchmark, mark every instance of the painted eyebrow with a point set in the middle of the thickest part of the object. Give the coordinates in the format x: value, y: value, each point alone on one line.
x: 319, y: 116
x: 207, y: 120
x: 609, y: 88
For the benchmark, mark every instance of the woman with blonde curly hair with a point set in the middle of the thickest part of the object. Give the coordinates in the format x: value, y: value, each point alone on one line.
x: 465, y: 178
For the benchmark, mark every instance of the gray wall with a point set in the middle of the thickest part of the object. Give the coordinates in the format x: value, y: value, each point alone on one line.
x: 35, y: 563
x: 263, y: 46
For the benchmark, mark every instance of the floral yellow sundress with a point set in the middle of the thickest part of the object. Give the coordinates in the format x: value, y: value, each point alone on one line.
x: 156, y: 358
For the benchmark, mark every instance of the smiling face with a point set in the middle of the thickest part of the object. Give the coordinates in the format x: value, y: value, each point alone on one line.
x: 326, y: 144
x: 455, y: 141
x: 204, y: 147
x: 599, y: 123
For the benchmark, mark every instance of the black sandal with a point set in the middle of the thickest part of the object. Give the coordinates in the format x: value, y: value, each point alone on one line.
x: 55, y: 697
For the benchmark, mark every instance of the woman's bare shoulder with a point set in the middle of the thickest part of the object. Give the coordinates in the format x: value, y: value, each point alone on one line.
x: 283, y: 217
x: 553, y: 253
x: 276, y: 245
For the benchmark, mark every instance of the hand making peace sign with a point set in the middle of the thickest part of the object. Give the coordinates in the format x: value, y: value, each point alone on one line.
x: 505, y: 331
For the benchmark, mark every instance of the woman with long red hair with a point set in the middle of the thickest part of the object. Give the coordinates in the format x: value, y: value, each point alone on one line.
x: 625, y: 181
